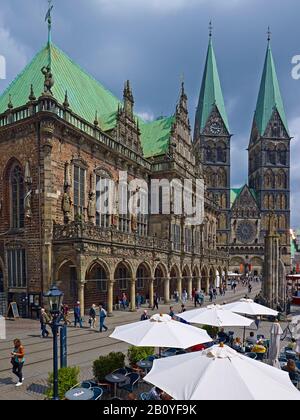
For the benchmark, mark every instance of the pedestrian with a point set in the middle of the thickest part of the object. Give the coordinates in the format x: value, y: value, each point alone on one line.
x: 234, y: 287
x: 17, y: 361
x: 201, y: 298
x: 138, y: 300
x: 183, y: 309
x: 249, y: 289
x: 196, y: 298
x: 172, y: 313
x: 211, y: 295
x: 155, y: 302
x: 124, y: 301
x: 176, y: 295
x: 44, y: 320
x: 66, y: 314
x: 102, y: 315
x: 184, y: 296
x: 77, y: 315
x: 257, y: 322
x: 92, y: 317
x: 215, y: 293
x: 145, y: 316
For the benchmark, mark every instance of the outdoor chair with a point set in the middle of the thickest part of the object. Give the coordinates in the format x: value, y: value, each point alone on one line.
x: 132, y: 381
x: 121, y: 371
x: 251, y: 355
x: 260, y: 356
x: 169, y: 353
x: 98, y: 392
x: 151, y: 358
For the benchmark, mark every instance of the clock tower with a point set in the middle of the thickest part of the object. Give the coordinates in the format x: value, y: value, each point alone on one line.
x: 212, y: 143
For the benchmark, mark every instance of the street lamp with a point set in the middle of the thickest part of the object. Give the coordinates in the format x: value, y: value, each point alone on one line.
x: 55, y: 299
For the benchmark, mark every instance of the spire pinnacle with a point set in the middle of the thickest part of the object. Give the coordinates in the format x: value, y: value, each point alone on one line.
x: 66, y: 103
x: 48, y: 18
x: 32, y: 95
x: 210, y: 28
x: 269, y: 33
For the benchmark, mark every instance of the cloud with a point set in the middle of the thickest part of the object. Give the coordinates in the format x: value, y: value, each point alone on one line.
x: 141, y: 6
x: 295, y: 171
x: 146, y: 116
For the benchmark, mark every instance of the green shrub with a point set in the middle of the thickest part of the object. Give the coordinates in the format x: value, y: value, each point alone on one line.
x: 67, y: 378
x: 135, y: 354
x: 211, y: 331
x: 107, y: 364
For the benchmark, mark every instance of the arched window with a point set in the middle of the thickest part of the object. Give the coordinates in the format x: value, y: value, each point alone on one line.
x: 221, y: 153
x: 271, y: 155
x: 210, y: 153
x: 104, y: 190
x: 282, y: 154
x: 17, y: 197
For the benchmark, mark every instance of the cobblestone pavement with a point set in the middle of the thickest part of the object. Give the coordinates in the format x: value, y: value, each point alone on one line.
x: 84, y: 346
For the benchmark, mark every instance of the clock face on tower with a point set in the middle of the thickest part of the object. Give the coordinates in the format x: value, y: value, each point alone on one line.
x: 215, y: 129
x: 246, y: 232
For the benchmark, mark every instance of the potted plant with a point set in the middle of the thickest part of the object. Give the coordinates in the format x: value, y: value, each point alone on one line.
x: 136, y: 354
x: 105, y: 365
x: 67, y: 378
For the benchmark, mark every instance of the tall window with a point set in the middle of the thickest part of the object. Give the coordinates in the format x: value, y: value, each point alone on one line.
x: 103, y: 216
x: 188, y: 239
x: 101, y: 279
x: 123, y: 277
x: 176, y: 237
x: 141, y: 276
x: 79, y: 190
x: 17, y: 198
x: 16, y: 259
x: 124, y: 216
x: 142, y: 217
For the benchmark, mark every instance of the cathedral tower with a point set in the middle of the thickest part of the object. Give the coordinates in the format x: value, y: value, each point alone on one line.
x: 212, y: 142
x: 269, y: 157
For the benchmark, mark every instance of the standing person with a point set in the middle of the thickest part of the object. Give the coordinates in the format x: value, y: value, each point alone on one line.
x: 234, y: 287
x: 215, y: 293
x: 66, y: 314
x: 92, y: 315
x: 211, y: 295
x: 17, y: 361
x: 257, y: 322
x: 196, y: 298
x: 201, y: 298
x: 138, y: 300
x: 176, y: 295
x: 145, y: 316
x: 184, y: 296
x: 102, y: 315
x: 172, y: 313
x: 249, y: 288
x: 77, y: 315
x: 44, y: 320
x: 124, y: 301
x: 155, y: 302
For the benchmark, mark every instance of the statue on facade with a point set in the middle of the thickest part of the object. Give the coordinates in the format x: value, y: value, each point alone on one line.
x: 49, y: 80
x: 272, y: 224
x: 27, y: 204
x: 67, y: 204
x: 134, y: 224
x: 92, y: 205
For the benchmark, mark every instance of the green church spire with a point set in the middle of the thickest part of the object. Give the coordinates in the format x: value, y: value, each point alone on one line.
x: 211, y: 92
x: 269, y: 98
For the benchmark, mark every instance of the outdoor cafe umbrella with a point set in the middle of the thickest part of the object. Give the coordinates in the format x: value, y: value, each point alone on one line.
x: 220, y: 373
x: 161, y: 331
x: 215, y: 316
x: 249, y: 307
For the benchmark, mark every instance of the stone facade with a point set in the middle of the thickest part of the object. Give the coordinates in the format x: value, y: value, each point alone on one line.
x: 52, y: 242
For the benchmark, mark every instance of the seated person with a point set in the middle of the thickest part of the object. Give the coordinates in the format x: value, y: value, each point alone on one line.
x: 155, y: 394
x: 222, y: 336
x: 237, y: 344
x: 197, y: 347
x: 292, y: 345
x: 292, y: 370
x: 251, y: 339
x: 259, y: 348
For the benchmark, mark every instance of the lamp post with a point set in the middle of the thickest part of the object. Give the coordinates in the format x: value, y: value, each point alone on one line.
x: 55, y: 298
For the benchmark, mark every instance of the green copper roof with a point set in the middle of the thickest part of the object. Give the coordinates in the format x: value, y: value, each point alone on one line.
x: 269, y: 97
x: 211, y: 92
x: 236, y: 192
x: 156, y: 135
x: 85, y: 94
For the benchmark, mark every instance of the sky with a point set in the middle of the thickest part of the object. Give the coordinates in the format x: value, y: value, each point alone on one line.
x: 155, y: 43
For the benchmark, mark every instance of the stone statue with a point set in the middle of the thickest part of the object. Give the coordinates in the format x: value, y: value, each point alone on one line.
x: 92, y: 205
x: 67, y: 203
x: 272, y: 224
x: 134, y: 225
x: 49, y: 81
x: 27, y: 205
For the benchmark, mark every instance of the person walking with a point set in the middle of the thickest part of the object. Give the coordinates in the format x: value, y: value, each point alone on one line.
x: 124, y: 301
x: 17, y: 361
x: 155, y: 302
x: 44, y: 320
x: 138, y: 300
x: 66, y: 314
x: 196, y: 298
x: 257, y: 322
x: 102, y: 315
x: 176, y: 296
x: 184, y: 296
x: 211, y: 295
x: 92, y: 317
x: 77, y: 315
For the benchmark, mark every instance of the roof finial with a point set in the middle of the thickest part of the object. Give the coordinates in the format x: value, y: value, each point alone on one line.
x: 96, y: 122
x: 66, y: 103
x: 32, y: 95
x: 10, y: 104
x: 49, y: 19
x: 269, y: 34
x: 210, y: 29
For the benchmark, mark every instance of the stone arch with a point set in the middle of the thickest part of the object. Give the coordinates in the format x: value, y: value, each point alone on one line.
x: 96, y: 283
x: 196, y: 277
x: 205, y: 279
x: 257, y: 264
x: 236, y: 263
x: 123, y: 275
x: 175, y: 275
x: 160, y: 276
x: 143, y: 278
x: 67, y: 280
x: 186, y: 277
x: 269, y: 179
